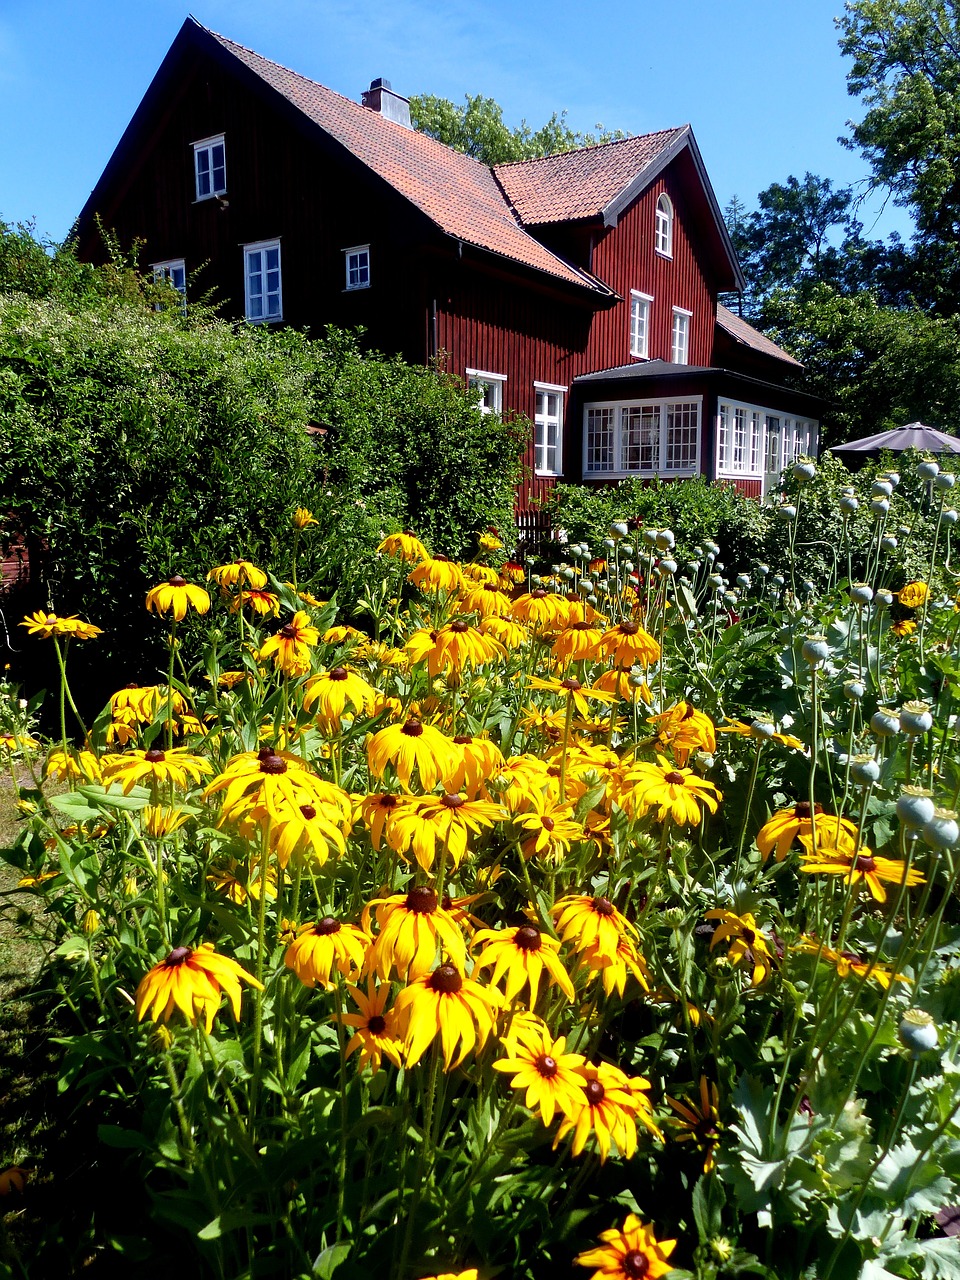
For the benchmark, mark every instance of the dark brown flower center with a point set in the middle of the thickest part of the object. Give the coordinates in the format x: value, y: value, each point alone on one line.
x: 413, y: 728
x: 388, y: 802
x: 635, y: 1264
x: 177, y: 957
x: 687, y: 714
x: 421, y: 900
x: 603, y: 906
x: 802, y: 810
x: 154, y: 755
x: 308, y: 811
x: 489, y: 586
x: 377, y: 1024
x: 571, y: 683
x: 674, y: 778
x: 548, y: 824
x: 862, y: 863
x: 527, y: 938
x: 462, y: 740
x: 537, y: 594
x: 329, y: 924
x: 581, y: 626
x: 547, y: 1066
x: 629, y: 628
x: 459, y: 626
x: 338, y: 673
x: 452, y: 802
x: 270, y: 762
x: 595, y: 1092
x: 176, y: 581
x: 446, y: 980
x: 748, y: 935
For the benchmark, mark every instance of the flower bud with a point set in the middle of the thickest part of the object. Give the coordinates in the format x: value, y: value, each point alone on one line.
x: 941, y: 831
x: 928, y: 469
x: 884, y: 722
x: 674, y: 917
x: 861, y: 593
x: 944, y: 481
x: 91, y: 922
x: 864, y: 770
x: 918, y: 1032
x: 816, y: 650
x: 916, y: 717
x: 915, y: 807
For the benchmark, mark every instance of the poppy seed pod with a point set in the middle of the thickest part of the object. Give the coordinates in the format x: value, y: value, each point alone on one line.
x: 949, y: 515
x: 915, y: 718
x: 879, y: 506
x: 892, y: 476
x: 618, y: 529
x: 715, y: 581
x: 849, y: 504
x: 888, y: 542
x: 650, y: 537
x: 609, y: 544
x: 665, y: 540
x: 883, y: 599
x: 763, y: 570
x: 944, y: 481
x: 854, y: 689
x: 667, y: 567
x: 778, y: 579
x: 928, y: 469
x: 803, y: 469
x: 915, y: 807
x: 815, y: 650
x: 743, y: 581
x: 918, y: 1032
x: 884, y: 722
x: 861, y: 593
x: 864, y: 770
x: 787, y: 512
x: 762, y: 728
x: 941, y: 831
x: 881, y: 489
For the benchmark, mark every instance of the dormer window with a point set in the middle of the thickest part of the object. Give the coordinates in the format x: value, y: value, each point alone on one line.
x: 663, y: 239
x: 358, y: 266
x: 210, y: 167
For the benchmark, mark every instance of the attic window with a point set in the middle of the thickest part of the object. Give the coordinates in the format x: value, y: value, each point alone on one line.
x: 663, y: 239
x: 357, y: 262
x: 210, y: 167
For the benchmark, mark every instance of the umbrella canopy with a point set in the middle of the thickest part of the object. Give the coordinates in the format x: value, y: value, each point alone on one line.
x: 913, y: 436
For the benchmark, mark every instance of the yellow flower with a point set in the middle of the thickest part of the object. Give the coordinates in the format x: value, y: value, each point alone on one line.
x: 412, y: 745
x: 322, y: 947
x: 11, y: 742
x: 489, y: 541
x: 779, y: 832
x: 674, y: 793
x: 684, y: 729
x: 579, y: 643
x: 290, y: 647
x: 192, y: 981
x: 315, y: 827
x: 593, y: 924
x: 614, y: 972
x: 302, y: 518
x: 332, y: 691
x: 629, y: 645
x: 447, y: 820
x: 539, y: 609
x: 469, y: 1274
x: 478, y: 760
x: 550, y: 826
x: 379, y: 812
x: 269, y: 780
x: 905, y: 627
x: 551, y: 1077
x: 845, y: 963
x: 375, y: 1027
x: 748, y: 946
x: 624, y: 685
x: 444, y: 1003
x: 79, y: 766
x: 412, y: 925
x: 175, y: 596
x: 262, y: 603
x: 46, y: 625
x: 159, y: 823
x: 858, y: 864
x: 522, y: 956
x: 487, y: 599
x: 612, y: 1105
x: 438, y: 574
x: 700, y: 1125
x: 510, y: 634
x: 238, y: 573
x: 913, y: 594
x: 629, y: 1253
x: 405, y: 545
x: 176, y: 766
x: 571, y: 688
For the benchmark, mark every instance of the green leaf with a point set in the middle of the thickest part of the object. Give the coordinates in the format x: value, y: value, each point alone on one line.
x: 327, y: 1262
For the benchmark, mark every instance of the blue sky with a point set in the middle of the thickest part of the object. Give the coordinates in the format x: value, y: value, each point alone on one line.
x: 761, y: 81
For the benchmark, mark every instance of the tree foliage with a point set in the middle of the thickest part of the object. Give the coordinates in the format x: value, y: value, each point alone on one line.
x: 478, y: 129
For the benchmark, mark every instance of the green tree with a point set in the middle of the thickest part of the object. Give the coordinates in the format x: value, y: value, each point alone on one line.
x: 478, y: 129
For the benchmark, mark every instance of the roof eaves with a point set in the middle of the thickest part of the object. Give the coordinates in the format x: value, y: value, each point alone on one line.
x: 593, y: 284
x: 611, y: 212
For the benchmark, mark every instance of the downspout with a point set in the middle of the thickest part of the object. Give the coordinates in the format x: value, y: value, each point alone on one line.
x: 434, y: 330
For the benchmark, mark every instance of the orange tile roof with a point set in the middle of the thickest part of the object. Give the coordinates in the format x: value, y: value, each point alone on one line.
x: 739, y: 330
x: 459, y: 194
x: 581, y: 183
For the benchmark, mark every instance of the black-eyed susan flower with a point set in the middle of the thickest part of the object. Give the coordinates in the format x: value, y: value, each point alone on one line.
x: 73, y: 766
x: 10, y: 743
x: 477, y: 761
x: 378, y: 812
x: 847, y: 963
x: 684, y: 729
x: 323, y: 947
x: 521, y: 782
x: 549, y: 826
x: 858, y: 865
x: 263, y: 603
x: 903, y: 627
x: 512, y: 635
x: 447, y: 1004
x: 629, y: 1254
x: 269, y: 779
x: 239, y: 884
x: 290, y: 647
x: 628, y: 645
x: 628, y: 686
x: 192, y: 980
x: 592, y: 924
x: 314, y: 830
x: 612, y: 1105
x: 573, y: 691
x: 237, y: 574
x: 698, y: 1122
x: 469, y: 1274
x: 614, y: 973
x: 779, y: 832
x: 411, y: 746
x: 160, y: 822
x: 487, y: 600
x: 552, y: 1078
x: 458, y: 645
x: 48, y: 625
x: 412, y: 926
x: 178, y: 766
x: 439, y: 575
x: 913, y: 595
x: 176, y: 596
x: 375, y: 1027
x: 748, y: 948
x: 541, y: 610
x: 522, y: 957
x: 302, y: 518
x: 407, y: 546
x: 668, y: 790
x: 442, y: 822
x: 580, y: 642
x: 331, y: 692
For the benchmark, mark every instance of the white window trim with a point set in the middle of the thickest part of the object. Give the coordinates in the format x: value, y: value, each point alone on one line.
x: 356, y: 248
x: 164, y: 271
x: 637, y: 296
x: 259, y: 246
x: 206, y: 144
x: 618, y: 473
x: 666, y: 252
x: 497, y: 380
x: 562, y: 392
x: 789, y: 447
x: 680, y: 311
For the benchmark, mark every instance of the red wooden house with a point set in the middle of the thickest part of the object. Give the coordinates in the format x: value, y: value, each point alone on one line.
x: 580, y: 289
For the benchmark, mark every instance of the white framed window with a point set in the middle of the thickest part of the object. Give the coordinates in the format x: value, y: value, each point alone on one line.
x: 640, y: 324
x: 174, y: 273
x: 680, y: 336
x: 261, y: 279
x: 751, y: 440
x: 210, y: 167
x: 489, y: 389
x: 548, y: 429
x: 642, y: 437
x: 663, y: 233
x: 357, y: 262
x: 774, y: 444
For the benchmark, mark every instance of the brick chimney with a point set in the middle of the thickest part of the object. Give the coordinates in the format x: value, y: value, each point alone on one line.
x: 381, y: 98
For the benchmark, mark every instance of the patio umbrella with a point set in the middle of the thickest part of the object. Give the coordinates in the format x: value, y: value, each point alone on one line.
x: 913, y: 436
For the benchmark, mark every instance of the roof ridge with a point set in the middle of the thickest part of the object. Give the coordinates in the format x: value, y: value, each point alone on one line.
x: 594, y: 146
